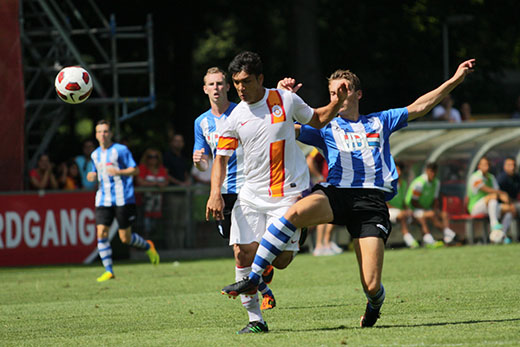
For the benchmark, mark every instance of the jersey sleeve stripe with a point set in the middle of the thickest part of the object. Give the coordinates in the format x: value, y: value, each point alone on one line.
x: 227, y: 143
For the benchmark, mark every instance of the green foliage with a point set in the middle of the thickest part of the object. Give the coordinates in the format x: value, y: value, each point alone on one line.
x: 454, y: 296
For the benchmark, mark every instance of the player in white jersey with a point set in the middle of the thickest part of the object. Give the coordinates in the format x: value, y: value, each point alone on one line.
x: 274, y: 167
x: 114, y: 168
x: 361, y: 177
x: 208, y: 127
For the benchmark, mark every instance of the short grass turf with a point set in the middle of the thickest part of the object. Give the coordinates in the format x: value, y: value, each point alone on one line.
x: 463, y: 296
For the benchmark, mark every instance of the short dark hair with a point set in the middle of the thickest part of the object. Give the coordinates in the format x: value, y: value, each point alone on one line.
x: 247, y: 61
x: 348, y: 75
x: 104, y: 121
x: 432, y: 166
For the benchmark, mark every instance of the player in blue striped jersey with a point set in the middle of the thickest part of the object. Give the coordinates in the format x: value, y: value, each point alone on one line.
x: 362, y: 175
x: 207, y: 132
x: 114, y: 168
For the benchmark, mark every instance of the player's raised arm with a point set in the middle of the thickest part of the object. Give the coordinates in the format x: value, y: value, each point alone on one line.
x: 425, y: 103
x: 323, y: 115
x: 215, y: 204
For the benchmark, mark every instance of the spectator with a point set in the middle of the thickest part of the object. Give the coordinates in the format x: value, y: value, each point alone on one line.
x: 319, y: 170
x: 42, y: 177
x: 152, y: 173
x: 399, y: 211
x: 69, y: 177
x: 423, y: 198
x: 85, y: 164
x: 485, y: 197
x: 446, y: 112
x: 516, y: 112
x: 175, y: 163
x: 465, y: 112
x: 509, y: 181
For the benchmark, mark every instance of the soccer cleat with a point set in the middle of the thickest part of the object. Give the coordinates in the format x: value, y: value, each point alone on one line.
x: 268, y: 302
x: 254, y: 327
x: 268, y: 274
x: 414, y: 244
x: 370, y: 317
x: 152, y: 253
x: 107, y: 275
x: 243, y: 286
x: 435, y: 245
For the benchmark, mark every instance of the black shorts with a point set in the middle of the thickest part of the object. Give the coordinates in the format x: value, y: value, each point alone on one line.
x: 363, y: 211
x: 125, y: 215
x: 224, y: 226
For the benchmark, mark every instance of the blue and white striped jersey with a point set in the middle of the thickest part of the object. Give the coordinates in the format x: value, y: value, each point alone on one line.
x: 113, y: 190
x: 208, y: 129
x: 358, y: 153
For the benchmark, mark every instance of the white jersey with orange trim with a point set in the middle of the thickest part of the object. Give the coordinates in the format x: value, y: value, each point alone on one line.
x: 274, y: 165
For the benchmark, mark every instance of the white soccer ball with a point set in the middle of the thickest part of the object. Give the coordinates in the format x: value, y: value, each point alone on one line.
x: 497, y: 236
x: 73, y: 84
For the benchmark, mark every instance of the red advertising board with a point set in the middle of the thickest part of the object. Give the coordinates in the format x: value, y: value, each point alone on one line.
x: 53, y: 228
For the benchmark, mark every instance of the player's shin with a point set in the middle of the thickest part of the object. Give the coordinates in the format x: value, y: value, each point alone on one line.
x: 273, y: 243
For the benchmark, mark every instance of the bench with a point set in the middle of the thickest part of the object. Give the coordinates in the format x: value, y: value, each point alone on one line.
x: 457, y: 211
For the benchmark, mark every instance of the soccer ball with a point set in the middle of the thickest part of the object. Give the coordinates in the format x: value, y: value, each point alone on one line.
x: 73, y: 84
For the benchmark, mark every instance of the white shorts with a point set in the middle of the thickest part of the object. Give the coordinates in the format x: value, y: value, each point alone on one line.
x: 479, y: 207
x: 418, y: 213
x: 394, y: 213
x: 248, y: 224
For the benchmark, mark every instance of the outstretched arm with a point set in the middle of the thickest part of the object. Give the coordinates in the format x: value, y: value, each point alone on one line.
x: 323, y: 115
x: 425, y: 103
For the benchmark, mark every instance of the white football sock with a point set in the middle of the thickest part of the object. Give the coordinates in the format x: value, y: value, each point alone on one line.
x: 250, y: 302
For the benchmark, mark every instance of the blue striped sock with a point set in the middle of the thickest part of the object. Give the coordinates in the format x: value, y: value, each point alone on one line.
x: 105, y: 253
x: 273, y: 243
x: 375, y: 302
x: 138, y: 242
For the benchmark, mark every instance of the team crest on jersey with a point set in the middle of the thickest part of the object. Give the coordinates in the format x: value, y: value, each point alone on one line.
x: 275, y: 105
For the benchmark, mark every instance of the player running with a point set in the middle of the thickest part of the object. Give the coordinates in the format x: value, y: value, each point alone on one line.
x: 114, y: 167
x: 208, y: 127
x: 275, y: 169
x: 362, y: 175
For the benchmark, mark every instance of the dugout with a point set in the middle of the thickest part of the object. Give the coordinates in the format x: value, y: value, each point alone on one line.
x: 456, y: 148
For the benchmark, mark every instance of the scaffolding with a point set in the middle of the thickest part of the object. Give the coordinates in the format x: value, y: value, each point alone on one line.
x: 58, y: 34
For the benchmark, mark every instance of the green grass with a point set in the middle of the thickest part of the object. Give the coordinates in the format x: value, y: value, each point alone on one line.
x: 454, y: 296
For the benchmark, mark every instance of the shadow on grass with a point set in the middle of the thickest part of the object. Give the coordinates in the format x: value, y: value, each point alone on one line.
x: 343, y: 327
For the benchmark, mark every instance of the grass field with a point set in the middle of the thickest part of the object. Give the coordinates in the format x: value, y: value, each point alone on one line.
x: 453, y: 296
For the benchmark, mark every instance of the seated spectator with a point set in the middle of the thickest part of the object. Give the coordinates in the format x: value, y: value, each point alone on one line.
x: 176, y: 163
x: 319, y: 170
x: 509, y: 182
x: 485, y: 197
x: 465, y: 112
x: 85, y: 164
x: 69, y: 177
x: 516, y: 112
x: 399, y: 212
x: 42, y: 177
x: 446, y: 112
x: 423, y: 199
x: 152, y: 173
